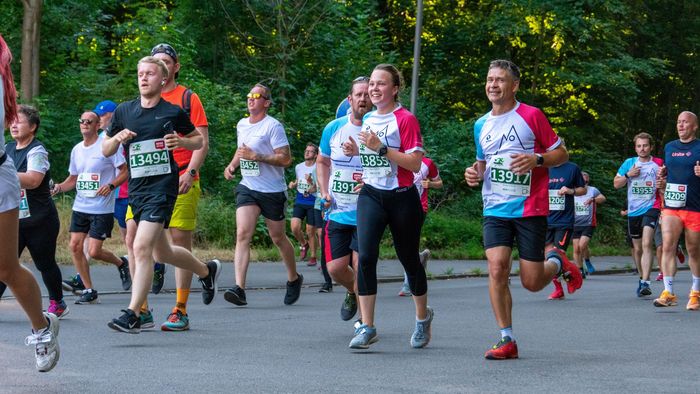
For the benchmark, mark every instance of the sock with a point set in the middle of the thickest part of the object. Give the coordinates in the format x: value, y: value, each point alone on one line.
x: 144, y: 307
x: 507, y: 332
x: 181, y: 301
x: 696, y: 283
x: 647, y: 282
x: 553, y: 256
x: 668, y: 284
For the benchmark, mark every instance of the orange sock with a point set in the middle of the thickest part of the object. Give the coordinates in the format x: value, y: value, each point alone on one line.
x: 144, y: 307
x: 181, y: 302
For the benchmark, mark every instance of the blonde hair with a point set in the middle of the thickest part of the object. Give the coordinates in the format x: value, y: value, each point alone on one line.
x: 157, y: 62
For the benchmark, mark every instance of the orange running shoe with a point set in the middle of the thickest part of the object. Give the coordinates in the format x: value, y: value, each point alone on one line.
x: 505, y: 348
x: 558, y: 293
x: 666, y: 299
x: 693, y: 301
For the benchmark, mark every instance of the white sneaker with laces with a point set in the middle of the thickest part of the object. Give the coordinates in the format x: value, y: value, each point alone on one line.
x: 47, y: 350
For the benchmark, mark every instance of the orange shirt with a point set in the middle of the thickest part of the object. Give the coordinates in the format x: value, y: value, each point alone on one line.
x: 197, y: 117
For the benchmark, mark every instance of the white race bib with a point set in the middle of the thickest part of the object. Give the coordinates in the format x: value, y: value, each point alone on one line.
x: 303, y: 186
x: 149, y: 158
x: 343, y: 183
x: 581, y: 209
x: 675, y: 195
x: 250, y: 168
x: 373, y: 165
x: 556, y: 202
x: 505, y: 181
x: 23, y: 205
x: 642, y: 190
x: 88, y: 184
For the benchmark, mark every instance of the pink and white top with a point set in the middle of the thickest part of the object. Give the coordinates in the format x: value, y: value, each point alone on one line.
x: 428, y: 170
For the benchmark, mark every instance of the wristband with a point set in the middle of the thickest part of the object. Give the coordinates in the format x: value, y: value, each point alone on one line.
x: 627, y: 176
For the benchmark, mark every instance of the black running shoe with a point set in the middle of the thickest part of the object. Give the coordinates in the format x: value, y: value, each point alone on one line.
x: 236, y: 296
x: 209, y: 284
x: 74, y: 284
x: 326, y: 288
x: 349, y: 307
x: 88, y: 296
x: 128, y: 322
x: 293, y: 290
x: 124, y: 273
x: 158, y: 277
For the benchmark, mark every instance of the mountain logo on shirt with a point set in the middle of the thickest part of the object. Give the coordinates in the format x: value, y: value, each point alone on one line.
x: 383, y: 132
x: 511, y: 137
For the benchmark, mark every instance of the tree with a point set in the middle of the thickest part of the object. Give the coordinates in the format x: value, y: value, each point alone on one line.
x: 31, y: 27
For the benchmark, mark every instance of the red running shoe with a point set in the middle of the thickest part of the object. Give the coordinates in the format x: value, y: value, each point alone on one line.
x: 303, y: 249
x: 312, y: 262
x: 503, y: 350
x: 569, y: 272
x: 660, y: 277
x: 558, y: 293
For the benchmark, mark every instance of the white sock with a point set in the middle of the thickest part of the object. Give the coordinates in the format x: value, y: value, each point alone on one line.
x: 507, y: 332
x: 696, y: 283
x: 648, y: 282
x: 668, y: 284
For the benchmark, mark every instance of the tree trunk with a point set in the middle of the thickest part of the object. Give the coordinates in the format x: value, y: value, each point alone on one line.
x: 29, y: 83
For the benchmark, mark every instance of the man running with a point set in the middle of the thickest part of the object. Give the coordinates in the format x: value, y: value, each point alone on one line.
x: 565, y: 182
x: 94, y: 177
x: 262, y: 154
x: 150, y: 128
x: 304, y: 204
x: 515, y: 145
x: 585, y: 224
x: 643, y: 205
x: 680, y: 180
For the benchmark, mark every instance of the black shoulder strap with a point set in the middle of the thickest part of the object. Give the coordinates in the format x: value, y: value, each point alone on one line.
x: 186, y: 101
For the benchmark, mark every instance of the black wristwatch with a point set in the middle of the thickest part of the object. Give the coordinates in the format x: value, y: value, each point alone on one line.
x: 382, y: 151
x: 540, y: 159
x: 111, y: 187
x: 192, y: 172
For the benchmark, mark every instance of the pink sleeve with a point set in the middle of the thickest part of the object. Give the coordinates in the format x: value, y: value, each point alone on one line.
x: 545, y: 136
x: 432, y: 168
x: 411, y: 139
x: 659, y: 161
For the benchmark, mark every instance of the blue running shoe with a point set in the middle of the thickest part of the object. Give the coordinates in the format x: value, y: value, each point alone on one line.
x: 365, y: 336
x: 177, y: 321
x: 639, y: 289
x: 146, y: 319
x: 645, y: 290
x: 590, y: 267
x: 421, y: 335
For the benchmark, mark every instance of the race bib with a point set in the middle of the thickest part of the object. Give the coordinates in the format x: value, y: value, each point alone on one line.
x: 23, y: 205
x: 556, y: 202
x: 581, y: 209
x: 87, y: 184
x: 505, y: 181
x: 149, y: 158
x: 303, y: 186
x: 642, y: 190
x: 675, y: 195
x: 343, y: 183
x: 373, y: 165
x: 250, y: 168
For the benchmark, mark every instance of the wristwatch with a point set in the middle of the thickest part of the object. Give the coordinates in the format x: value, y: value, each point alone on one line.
x: 192, y: 172
x: 111, y: 187
x: 540, y: 159
x: 382, y: 150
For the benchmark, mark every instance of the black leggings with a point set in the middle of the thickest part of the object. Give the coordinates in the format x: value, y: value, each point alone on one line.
x: 41, y: 242
x: 402, y: 211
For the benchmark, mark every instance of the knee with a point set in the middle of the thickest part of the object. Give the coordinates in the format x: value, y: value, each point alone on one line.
x: 530, y: 283
x: 94, y: 251
x: 76, y: 246
x: 278, y: 239
x: 499, y: 273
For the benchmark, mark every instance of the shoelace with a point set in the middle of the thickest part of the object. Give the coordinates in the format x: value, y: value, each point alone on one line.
x: 40, y: 339
x: 174, y: 316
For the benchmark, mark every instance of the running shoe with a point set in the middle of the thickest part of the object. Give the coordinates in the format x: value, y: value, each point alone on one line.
x: 210, y: 284
x: 46, y: 348
x: 146, y: 320
x: 422, y: 333
x: 349, y: 307
x: 423, y: 257
x: 645, y: 290
x: 88, y: 296
x: 405, y: 290
x: 505, y: 349
x: 293, y: 290
x: 236, y: 296
x: 158, y: 277
x: 312, y: 262
x: 583, y: 272
x: 590, y: 267
x: 364, y: 336
x: 680, y: 255
x: 127, y: 322
x: 303, y: 250
x: 660, y: 276
x: 639, y: 288
x: 74, y: 284
x: 666, y: 299
x: 177, y: 321
x: 124, y: 274
x: 326, y: 288
x: 693, y: 301
x: 569, y: 272
x: 356, y: 326
x: 558, y: 293
x: 58, y: 308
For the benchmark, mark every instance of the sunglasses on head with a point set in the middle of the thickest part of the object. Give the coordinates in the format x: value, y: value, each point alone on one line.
x: 256, y: 96
x: 361, y: 79
x: 85, y: 121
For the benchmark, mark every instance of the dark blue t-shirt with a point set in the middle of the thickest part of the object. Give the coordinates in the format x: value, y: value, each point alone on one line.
x: 561, y: 208
x: 682, y: 186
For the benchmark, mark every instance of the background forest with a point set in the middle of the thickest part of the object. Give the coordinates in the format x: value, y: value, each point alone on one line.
x: 602, y: 71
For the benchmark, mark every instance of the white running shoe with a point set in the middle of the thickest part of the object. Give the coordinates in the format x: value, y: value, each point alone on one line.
x: 47, y: 350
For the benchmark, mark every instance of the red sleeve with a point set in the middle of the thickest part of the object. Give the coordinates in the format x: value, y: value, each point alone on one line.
x: 432, y: 168
x: 411, y: 139
x: 545, y: 136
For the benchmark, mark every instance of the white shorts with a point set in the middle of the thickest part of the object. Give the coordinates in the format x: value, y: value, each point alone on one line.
x: 9, y: 186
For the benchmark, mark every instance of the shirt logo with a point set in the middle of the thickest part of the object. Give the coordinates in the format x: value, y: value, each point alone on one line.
x: 498, y: 161
x: 512, y: 136
x: 136, y: 147
x: 160, y: 144
x: 93, y: 177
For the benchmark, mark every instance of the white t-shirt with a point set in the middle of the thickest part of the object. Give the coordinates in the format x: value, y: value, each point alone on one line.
x: 301, y: 171
x: 94, y: 170
x: 262, y: 137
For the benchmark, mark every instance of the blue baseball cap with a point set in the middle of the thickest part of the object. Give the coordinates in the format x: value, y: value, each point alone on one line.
x: 105, y: 107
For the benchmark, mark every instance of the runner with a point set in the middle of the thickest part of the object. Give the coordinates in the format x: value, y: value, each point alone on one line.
x: 680, y: 180
x: 390, y: 150
x: 514, y: 146
x: 45, y: 326
x: 262, y: 154
x: 339, y: 176
x: 586, y: 206
x: 149, y: 129
x: 184, y: 219
x: 304, y: 204
x: 95, y: 177
x: 427, y: 178
x: 643, y: 204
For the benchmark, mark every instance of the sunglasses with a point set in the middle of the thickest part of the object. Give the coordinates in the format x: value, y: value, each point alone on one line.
x: 85, y: 121
x: 361, y: 79
x: 256, y: 96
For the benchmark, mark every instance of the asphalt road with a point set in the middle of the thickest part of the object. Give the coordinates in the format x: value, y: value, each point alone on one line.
x: 601, y: 339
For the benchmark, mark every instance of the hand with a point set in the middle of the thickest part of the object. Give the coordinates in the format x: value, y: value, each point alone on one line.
x: 228, y: 172
x: 589, y: 201
x: 663, y: 171
x: 623, y: 212
x: 696, y: 169
x: 425, y: 183
x: 634, y: 171
x: 661, y: 183
x: 104, y: 191
x: 56, y: 189
x: 358, y: 187
x: 244, y: 152
x: 370, y: 140
x: 309, y: 179
x: 292, y: 185
x: 172, y: 141
x: 186, y: 182
x: 522, y: 163
x: 564, y: 191
x: 124, y: 136
x: 471, y: 175
x: 350, y: 147
x: 326, y: 200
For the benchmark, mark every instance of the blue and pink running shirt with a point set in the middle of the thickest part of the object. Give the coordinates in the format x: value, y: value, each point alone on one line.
x: 398, y: 129
x: 524, y: 129
x: 346, y: 171
x: 682, y: 185
x: 641, y: 189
